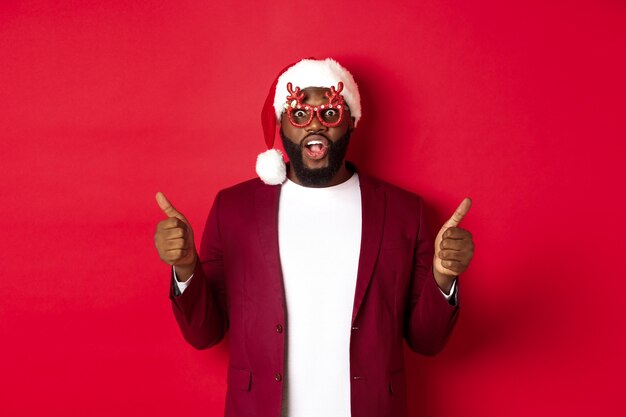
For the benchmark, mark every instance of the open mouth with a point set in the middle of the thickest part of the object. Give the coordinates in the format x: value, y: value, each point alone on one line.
x: 315, y: 147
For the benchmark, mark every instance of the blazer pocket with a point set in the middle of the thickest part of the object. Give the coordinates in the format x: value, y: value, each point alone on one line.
x: 397, y: 381
x: 239, y: 379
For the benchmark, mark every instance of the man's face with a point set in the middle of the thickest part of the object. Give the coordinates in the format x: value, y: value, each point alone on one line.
x: 316, y: 151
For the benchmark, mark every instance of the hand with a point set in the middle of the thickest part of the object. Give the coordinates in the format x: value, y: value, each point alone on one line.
x: 174, y: 240
x: 454, y: 248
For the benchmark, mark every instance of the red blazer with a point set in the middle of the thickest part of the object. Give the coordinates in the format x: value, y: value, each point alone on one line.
x: 238, y: 287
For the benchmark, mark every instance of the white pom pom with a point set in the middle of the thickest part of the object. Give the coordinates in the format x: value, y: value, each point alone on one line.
x: 270, y: 167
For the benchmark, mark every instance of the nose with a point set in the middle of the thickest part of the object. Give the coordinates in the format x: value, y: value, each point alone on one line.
x: 315, y: 125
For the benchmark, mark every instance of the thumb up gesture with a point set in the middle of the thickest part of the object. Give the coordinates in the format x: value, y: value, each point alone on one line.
x: 174, y: 239
x: 454, y: 248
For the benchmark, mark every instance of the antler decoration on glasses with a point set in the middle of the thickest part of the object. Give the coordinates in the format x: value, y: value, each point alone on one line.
x: 335, y: 99
x: 294, y: 97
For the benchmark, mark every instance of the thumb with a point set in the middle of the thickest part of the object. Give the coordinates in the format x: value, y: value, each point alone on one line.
x: 459, y: 213
x: 167, y: 207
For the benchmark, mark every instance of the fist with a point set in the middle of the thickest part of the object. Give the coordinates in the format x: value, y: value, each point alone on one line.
x: 454, y: 247
x: 174, y: 237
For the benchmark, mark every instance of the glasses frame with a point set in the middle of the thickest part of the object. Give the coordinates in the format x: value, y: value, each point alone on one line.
x: 295, y: 103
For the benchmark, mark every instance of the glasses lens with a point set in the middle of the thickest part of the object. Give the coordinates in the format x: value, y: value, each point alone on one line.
x: 330, y: 116
x: 301, y: 116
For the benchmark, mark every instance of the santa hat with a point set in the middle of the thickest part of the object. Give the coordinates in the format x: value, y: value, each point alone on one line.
x: 270, y: 166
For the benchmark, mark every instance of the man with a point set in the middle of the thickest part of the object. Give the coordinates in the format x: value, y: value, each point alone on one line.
x: 319, y: 276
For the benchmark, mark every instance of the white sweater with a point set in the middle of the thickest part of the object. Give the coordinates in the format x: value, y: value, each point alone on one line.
x: 319, y: 234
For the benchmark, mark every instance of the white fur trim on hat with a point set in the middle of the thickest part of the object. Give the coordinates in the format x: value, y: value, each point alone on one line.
x: 318, y: 73
x: 270, y: 167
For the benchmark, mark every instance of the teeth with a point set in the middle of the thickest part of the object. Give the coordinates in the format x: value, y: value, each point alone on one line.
x: 314, y: 142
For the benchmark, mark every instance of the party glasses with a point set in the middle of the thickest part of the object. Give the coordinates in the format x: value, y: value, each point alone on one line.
x: 301, y: 114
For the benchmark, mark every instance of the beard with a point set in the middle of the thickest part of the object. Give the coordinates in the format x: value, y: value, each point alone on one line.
x: 316, y: 177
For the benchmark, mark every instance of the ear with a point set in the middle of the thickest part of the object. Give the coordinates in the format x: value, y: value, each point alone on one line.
x: 283, y: 118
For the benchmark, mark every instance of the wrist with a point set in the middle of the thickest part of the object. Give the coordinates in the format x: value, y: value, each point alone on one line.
x: 184, y: 271
x: 444, y: 281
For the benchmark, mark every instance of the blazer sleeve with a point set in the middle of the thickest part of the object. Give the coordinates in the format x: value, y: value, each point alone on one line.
x: 201, y: 311
x: 429, y: 316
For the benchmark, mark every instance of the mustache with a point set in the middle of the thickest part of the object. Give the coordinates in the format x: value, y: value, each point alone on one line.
x: 316, y: 134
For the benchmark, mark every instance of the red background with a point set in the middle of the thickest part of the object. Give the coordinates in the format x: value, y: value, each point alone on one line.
x: 520, y: 106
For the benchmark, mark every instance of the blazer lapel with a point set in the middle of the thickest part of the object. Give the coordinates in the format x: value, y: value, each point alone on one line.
x: 266, y: 201
x: 373, y: 218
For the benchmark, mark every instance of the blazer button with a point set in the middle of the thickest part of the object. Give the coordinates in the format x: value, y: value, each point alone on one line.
x: 278, y: 377
x: 279, y: 328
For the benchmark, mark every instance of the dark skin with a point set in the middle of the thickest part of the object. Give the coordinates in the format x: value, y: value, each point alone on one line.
x: 454, y: 247
x: 174, y: 240
x: 315, y: 96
